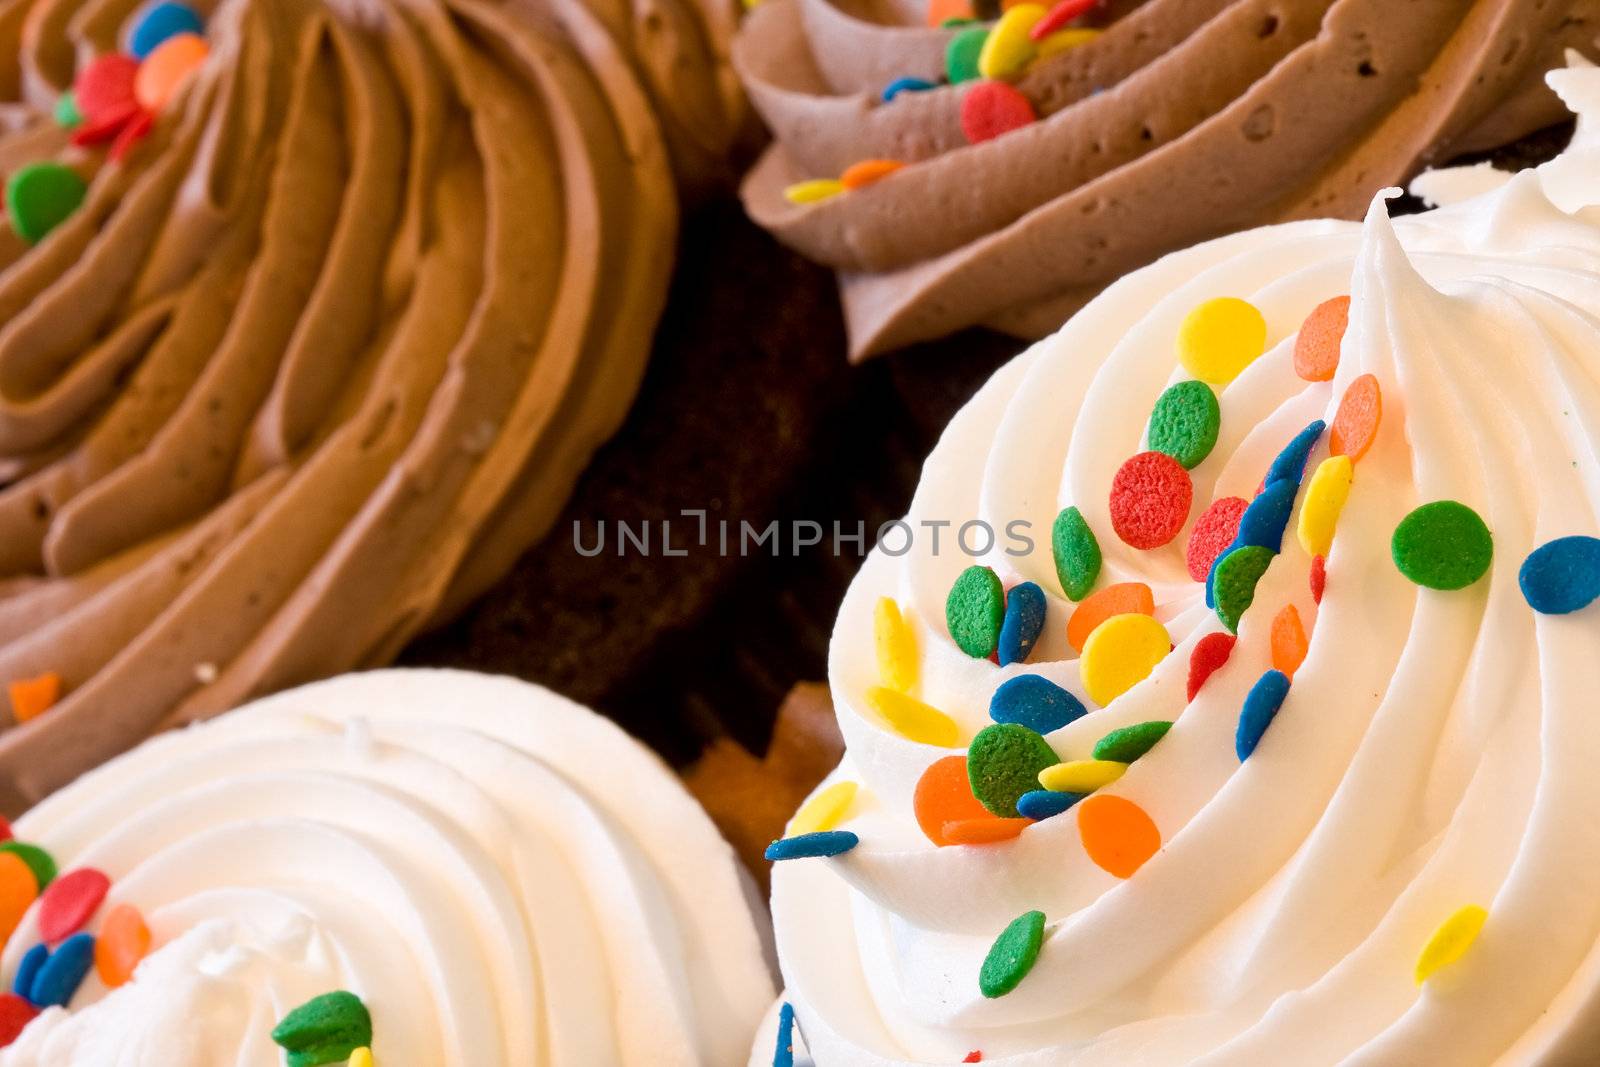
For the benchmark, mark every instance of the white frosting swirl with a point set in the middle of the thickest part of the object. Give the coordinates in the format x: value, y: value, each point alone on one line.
x: 1436, y: 749
x: 502, y: 876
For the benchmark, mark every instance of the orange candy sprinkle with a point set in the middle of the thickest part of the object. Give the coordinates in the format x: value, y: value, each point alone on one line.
x: 868, y: 171
x: 165, y: 70
x: 1289, y: 642
x: 1117, y: 834
x: 1316, y: 349
x: 18, y: 891
x: 31, y: 697
x: 944, y: 797
x: 1356, y: 424
x: 940, y: 10
x: 123, y: 941
x: 1124, y: 598
x: 985, y: 831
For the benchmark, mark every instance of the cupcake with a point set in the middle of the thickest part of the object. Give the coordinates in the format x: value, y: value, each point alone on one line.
x: 1276, y: 746
x: 434, y: 867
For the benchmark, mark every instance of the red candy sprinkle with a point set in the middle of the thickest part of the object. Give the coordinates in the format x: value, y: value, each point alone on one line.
x: 1319, y: 578
x: 1213, y: 532
x: 992, y: 108
x: 15, y: 1013
x: 134, y: 131
x: 104, y: 89
x: 1150, y: 498
x: 5, y: 829
x: 1210, y: 653
x: 70, y: 902
x: 974, y: 1057
x: 1058, y: 17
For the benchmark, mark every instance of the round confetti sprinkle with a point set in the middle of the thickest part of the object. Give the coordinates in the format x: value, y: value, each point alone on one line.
x: 123, y: 942
x: 66, y: 112
x: 868, y: 171
x: 1213, y: 534
x: 70, y: 902
x: 1012, y: 955
x: 783, y: 1055
x: 961, y: 54
x: 1124, y: 598
x: 990, y: 109
x: 1220, y: 338
x: 986, y: 831
x: 1059, y: 16
x: 38, y: 860
x: 361, y: 1057
x: 1076, y: 552
x: 104, y: 88
x: 1127, y: 744
x: 905, y: 85
x: 167, y: 69
x: 896, y: 644
x: 1150, y: 497
x: 813, y: 191
x: 325, y: 1029
x: 1210, y: 653
x: 1288, y: 641
x: 975, y: 611
x: 1355, y: 425
x: 1009, y: 48
x: 1185, y: 422
x: 1041, y: 804
x: 1264, y: 521
x: 18, y: 891
x: 812, y: 846
x: 1117, y: 834
x: 1325, y: 496
x: 914, y: 720
x: 1035, y: 702
x: 1450, y: 941
x: 161, y: 22
x: 28, y: 969
x: 61, y: 975
x: 1316, y: 349
x: 1081, y: 775
x: 823, y: 811
x: 1024, y: 621
x: 1261, y: 705
x: 1003, y: 762
x: 1120, y: 654
x: 1561, y: 576
x: 40, y: 197
x: 1290, y: 464
x: 1318, y: 578
x: 32, y: 697
x: 15, y: 1014
x: 1442, y: 545
x: 943, y: 797
x: 1235, y: 582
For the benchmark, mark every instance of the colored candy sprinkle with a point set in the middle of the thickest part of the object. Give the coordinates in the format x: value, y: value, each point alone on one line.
x: 28, y: 969
x: 1117, y: 834
x: 1325, y: 497
x: 1035, y: 702
x: 1120, y: 654
x: 896, y: 644
x: 1059, y: 15
x: 914, y: 720
x: 166, y: 70
x: 1009, y: 48
x: 1316, y: 349
x: 813, y: 191
x: 1081, y: 775
x: 1012, y: 955
x: 1355, y: 425
x: 1064, y: 41
x: 1261, y: 704
x: 18, y: 891
x: 1319, y: 578
x: 1450, y: 941
x: 868, y: 171
x: 61, y: 975
x: 1288, y: 641
x: 961, y: 54
x: 1124, y: 598
x: 1210, y: 653
x: 1291, y: 462
x: 32, y: 697
x: 974, y: 1056
x: 1150, y: 497
x: 1267, y: 516
x: 905, y: 85
x: 104, y: 88
x: 15, y: 1014
x: 1003, y: 762
x: 40, y: 197
x: 324, y: 1029
x: 161, y: 22
x: 1076, y: 552
x: 991, y: 109
x: 6, y: 833
x: 1220, y: 338
x: 783, y: 1055
x: 70, y: 902
x: 941, y: 11
x: 1040, y: 804
x: 975, y: 610
x: 1023, y: 622
x: 123, y: 942
x: 985, y: 831
x: 1185, y: 423
x: 1127, y: 744
x: 1561, y: 576
x: 824, y: 810
x: 810, y: 846
x: 38, y: 861
x: 66, y: 112
x: 1442, y: 545
x: 361, y: 1057
x: 1235, y: 582
x: 1213, y: 534
x: 943, y: 797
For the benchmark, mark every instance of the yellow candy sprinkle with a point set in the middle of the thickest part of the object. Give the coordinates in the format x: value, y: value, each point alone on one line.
x: 361, y: 1057
x: 1008, y: 48
x: 1325, y: 496
x: 914, y: 720
x: 815, y: 190
x: 1451, y: 941
x: 897, y: 646
x: 824, y: 811
x: 1063, y: 41
x: 1121, y: 653
x: 1081, y: 775
x: 1220, y: 338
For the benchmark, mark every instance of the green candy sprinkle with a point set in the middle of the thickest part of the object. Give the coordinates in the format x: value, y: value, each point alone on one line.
x: 961, y: 54
x: 1442, y: 545
x: 1003, y: 762
x: 1012, y: 955
x: 1077, y: 553
x: 1235, y: 582
x: 40, y: 862
x: 40, y: 197
x: 325, y: 1029
x: 955, y: 22
x: 1185, y: 422
x: 1130, y: 742
x: 67, y: 115
x: 975, y: 611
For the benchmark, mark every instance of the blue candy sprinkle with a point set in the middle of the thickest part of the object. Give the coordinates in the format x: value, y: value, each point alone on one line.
x: 783, y: 1055
x: 1561, y: 576
x: 63, y: 972
x: 28, y: 970
x: 1043, y: 803
x: 810, y: 846
x: 161, y: 22
x: 1291, y: 462
x: 1260, y: 705
x: 1266, y: 518
x: 905, y: 85
x: 1037, y: 703
x: 1023, y: 623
